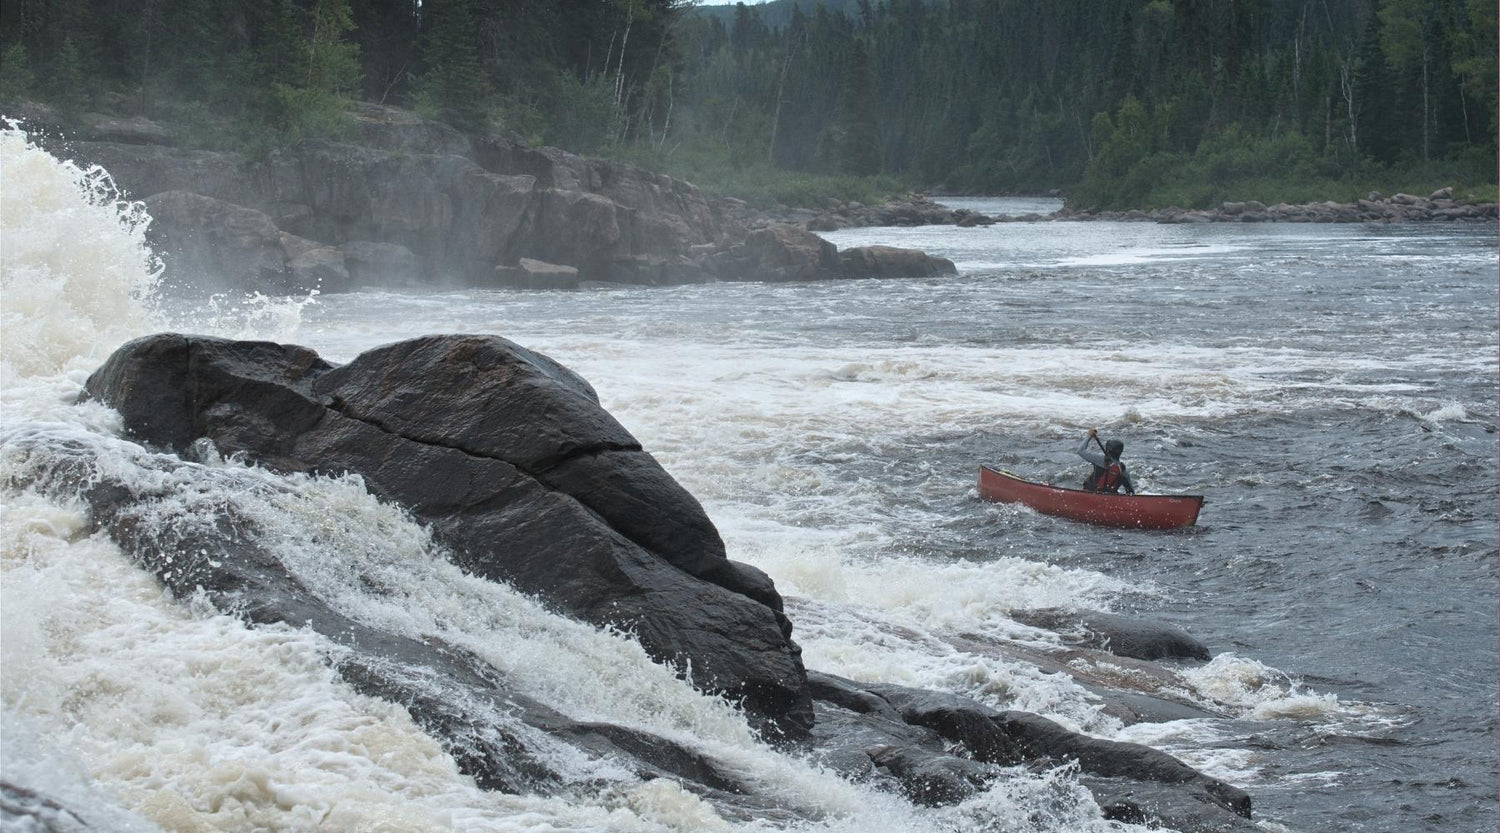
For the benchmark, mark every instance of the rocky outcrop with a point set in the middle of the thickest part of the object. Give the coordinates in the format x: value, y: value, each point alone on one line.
x: 461, y: 205
x: 216, y: 244
x: 509, y: 459
x: 454, y: 208
x: 892, y: 262
x: 787, y: 252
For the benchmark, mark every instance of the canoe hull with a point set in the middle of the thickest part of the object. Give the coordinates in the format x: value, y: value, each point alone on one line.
x: 1097, y: 508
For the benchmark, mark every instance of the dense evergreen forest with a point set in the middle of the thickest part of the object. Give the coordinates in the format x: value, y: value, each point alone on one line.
x: 1117, y: 102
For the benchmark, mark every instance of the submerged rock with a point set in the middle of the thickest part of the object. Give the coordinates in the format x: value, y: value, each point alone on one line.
x: 942, y: 747
x: 1120, y: 635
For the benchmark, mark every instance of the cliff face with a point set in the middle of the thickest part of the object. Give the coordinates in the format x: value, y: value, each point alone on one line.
x: 457, y: 206
x: 406, y: 201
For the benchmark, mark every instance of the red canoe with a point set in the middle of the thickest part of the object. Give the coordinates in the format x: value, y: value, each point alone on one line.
x: 1098, y: 508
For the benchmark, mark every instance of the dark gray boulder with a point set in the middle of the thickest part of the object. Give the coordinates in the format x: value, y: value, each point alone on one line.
x: 511, y: 461
x: 1121, y: 635
x: 940, y: 747
x: 892, y: 262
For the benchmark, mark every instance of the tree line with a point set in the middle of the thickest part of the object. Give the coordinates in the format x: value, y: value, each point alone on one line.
x: 272, y: 71
x: 1118, y: 102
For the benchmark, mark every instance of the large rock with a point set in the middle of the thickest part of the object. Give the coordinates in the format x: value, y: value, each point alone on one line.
x: 320, y: 268
x: 780, y: 252
x: 381, y: 264
x: 392, y: 128
x: 791, y: 251
x: 892, y: 262
x: 508, y: 458
x: 209, y: 243
x: 130, y: 130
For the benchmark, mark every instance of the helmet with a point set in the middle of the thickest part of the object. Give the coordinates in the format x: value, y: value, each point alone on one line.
x: 1113, y: 449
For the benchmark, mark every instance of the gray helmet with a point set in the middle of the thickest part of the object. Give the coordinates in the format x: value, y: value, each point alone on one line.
x: 1113, y: 449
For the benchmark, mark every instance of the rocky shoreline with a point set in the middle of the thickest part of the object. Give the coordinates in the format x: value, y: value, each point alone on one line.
x: 1438, y: 207
x: 920, y: 209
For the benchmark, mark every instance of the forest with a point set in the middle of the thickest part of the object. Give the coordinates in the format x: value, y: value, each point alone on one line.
x: 1115, y: 103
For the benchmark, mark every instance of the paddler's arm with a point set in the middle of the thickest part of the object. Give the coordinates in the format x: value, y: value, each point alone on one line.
x: 1125, y: 483
x: 1089, y: 453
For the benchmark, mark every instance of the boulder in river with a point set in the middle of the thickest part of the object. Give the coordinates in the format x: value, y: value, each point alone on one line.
x: 1121, y: 635
x: 507, y: 456
x: 892, y: 262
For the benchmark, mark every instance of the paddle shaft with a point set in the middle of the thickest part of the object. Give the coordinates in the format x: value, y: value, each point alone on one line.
x: 1100, y: 443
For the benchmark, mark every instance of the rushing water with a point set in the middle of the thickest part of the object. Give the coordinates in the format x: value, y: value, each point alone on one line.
x: 1330, y: 389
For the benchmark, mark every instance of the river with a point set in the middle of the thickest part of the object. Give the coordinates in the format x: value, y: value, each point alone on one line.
x: 1330, y: 390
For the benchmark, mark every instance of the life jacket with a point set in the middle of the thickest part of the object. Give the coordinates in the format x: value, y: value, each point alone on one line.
x: 1104, y: 479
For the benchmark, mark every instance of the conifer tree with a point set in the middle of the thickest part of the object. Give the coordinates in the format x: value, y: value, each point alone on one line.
x: 16, y: 80
x: 857, y: 128
x: 1377, y: 128
x: 66, y: 78
x: 454, y: 88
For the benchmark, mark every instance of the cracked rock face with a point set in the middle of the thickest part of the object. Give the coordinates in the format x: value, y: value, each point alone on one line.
x: 510, y: 460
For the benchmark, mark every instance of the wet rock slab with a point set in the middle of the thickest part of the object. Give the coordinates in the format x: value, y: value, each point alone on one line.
x: 941, y: 748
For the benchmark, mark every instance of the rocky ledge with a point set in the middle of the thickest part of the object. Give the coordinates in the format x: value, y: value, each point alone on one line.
x: 401, y: 200
x: 509, y: 460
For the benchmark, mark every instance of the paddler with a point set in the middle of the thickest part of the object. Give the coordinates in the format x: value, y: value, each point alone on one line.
x: 1109, y: 473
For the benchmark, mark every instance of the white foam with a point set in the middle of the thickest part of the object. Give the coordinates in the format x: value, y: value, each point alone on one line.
x: 75, y: 271
x: 1256, y: 690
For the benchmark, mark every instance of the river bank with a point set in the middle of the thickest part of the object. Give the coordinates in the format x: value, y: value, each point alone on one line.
x: 921, y: 209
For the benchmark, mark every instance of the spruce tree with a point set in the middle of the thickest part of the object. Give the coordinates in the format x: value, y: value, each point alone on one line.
x: 1378, y: 130
x: 454, y: 88
x: 857, y: 127
x: 16, y: 80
